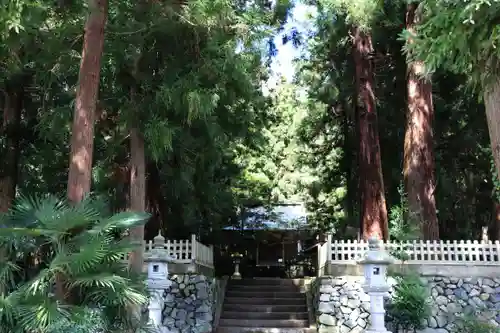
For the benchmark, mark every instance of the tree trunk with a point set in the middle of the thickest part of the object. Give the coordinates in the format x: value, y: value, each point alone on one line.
x: 138, y: 204
x: 137, y: 195
x: 82, y: 136
x: 11, y: 125
x: 492, y: 106
x: 13, y: 105
x: 418, y: 169
x: 82, y: 132
x: 137, y: 178
x: 373, y: 210
x: 156, y: 201
x: 495, y: 232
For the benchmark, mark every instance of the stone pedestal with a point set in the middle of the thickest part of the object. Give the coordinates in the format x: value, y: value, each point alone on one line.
x: 377, y: 312
x: 236, y: 275
x: 155, y: 307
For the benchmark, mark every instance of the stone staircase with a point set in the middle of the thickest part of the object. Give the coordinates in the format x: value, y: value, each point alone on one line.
x: 264, y: 305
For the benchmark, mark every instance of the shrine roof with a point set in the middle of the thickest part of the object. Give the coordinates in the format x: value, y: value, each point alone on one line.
x: 276, y: 217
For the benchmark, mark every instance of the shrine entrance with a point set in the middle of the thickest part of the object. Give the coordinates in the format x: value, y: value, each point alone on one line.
x: 274, y: 250
x: 267, y: 248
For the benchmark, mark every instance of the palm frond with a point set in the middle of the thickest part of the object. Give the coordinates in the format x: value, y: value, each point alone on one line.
x: 7, y: 271
x: 40, y: 285
x: 100, y: 280
x: 42, y: 314
x: 121, y: 220
x: 27, y: 210
x: 79, y: 242
x: 27, y: 232
x: 85, y: 258
x: 7, y: 312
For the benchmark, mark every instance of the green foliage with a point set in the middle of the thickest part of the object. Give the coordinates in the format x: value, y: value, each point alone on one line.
x: 461, y: 37
x: 279, y: 165
x: 197, y: 100
x: 329, y: 134
x: 83, y: 245
x: 473, y: 324
x: 91, y: 322
x: 401, y: 224
x: 360, y: 13
x: 409, y: 306
x: 215, y: 142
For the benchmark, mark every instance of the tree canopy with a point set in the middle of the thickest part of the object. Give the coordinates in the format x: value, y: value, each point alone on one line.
x: 189, y: 75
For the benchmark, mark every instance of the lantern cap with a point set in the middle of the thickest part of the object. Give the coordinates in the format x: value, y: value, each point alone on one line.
x: 376, y: 253
x: 373, y: 243
x: 159, y: 240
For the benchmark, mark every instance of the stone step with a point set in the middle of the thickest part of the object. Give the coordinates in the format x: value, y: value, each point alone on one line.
x: 264, y: 305
x: 265, y: 330
x: 263, y: 294
x: 263, y: 323
x: 265, y: 301
x: 264, y: 315
x: 259, y: 308
x: 252, y: 288
x: 266, y: 282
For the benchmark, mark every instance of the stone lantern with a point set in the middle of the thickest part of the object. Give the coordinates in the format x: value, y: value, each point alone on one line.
x: 236, y: 260
x: 375, y: 264
x: 157, y: 265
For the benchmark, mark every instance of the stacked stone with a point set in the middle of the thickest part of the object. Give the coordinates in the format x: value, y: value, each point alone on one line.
x: 342, y: 306
x: 189, y: 304
x: 452, y: 297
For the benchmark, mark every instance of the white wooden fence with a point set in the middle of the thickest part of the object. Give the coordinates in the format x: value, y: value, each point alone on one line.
x: 414, y: 252
x: 187, y: 251
x: 323, y: 255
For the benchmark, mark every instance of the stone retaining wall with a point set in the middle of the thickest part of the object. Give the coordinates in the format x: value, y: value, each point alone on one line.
x: 342, y: 306
x: 189, y: 304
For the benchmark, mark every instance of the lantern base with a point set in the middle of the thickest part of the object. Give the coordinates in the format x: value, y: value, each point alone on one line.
x: 384, y: 330
x: 236, y: 276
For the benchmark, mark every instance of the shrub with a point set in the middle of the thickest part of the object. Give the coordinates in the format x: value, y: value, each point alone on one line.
x: 409, y: 306
x: 470, y: 324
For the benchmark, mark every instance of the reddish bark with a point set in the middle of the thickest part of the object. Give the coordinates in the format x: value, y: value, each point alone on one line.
x: 82, y: 134
x: 373, y: 209
x: 10, y: 130
x: 82, y: 137
x: 418, y: 166
x: 137, y: 195
x: 137, y: 181
x: 156, y: 201
x: 492, y: 107
x: 494, y: 231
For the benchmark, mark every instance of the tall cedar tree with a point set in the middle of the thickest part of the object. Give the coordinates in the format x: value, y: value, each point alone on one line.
x: 373, y: 209
x: 418, y: 166
x: 82, y: 135
x: 137, y: 194
x: 12, y: 109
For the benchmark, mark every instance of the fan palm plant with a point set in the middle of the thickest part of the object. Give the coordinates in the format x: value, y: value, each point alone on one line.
x: 47, y: 243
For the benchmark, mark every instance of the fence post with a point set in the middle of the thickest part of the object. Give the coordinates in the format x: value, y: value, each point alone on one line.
x: 194, y: 248
x: 329, y: 248
x: 328, y: 259
x: 211, y: 255
x: 318, y: 260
